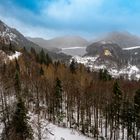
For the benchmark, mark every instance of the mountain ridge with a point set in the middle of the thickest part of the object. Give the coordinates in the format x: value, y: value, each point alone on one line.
x: 61, y: 42
x: 11, y: 36
x: 123, y: 39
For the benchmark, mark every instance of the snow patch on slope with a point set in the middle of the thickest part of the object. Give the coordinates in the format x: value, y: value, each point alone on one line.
x: 69, y: 48
x: 15, y: 55
x: 131, y: 48
x: 8, y: 33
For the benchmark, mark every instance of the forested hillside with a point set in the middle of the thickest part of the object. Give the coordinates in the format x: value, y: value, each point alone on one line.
x: 67, y: 95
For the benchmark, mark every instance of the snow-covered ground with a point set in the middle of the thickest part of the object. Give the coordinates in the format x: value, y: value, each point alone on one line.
x: 54, y: 132
x: 50, y: 131
x: 87, y: 61
x: 65, y: 134
x: 132, y: 71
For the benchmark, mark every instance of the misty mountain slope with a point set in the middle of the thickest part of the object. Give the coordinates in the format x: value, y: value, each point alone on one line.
x: 69, y: 45
x: 129, y: 54
x: 101, y: 46
x: 10, y: 35
x: 128, y: 42
x: 43, y: 43
x: 61, y: 42
x: 69, y: 41
x: 123, y: 39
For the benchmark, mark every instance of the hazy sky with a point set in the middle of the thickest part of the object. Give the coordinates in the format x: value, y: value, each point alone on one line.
x: 88, y: 18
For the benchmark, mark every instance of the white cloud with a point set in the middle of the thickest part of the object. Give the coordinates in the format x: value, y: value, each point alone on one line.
x: 28, y: 30
x: 77, y: 17
x: 20, y: 19
x: 74, y: 9
x: 25, y: 22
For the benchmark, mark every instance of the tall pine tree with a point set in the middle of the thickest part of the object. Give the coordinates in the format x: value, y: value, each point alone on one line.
x: 19, y: 124
x: 117, y: 102
x: 58, y: 99
x: 19, y: 128
x: 73, y: 66
x: 137, y: 111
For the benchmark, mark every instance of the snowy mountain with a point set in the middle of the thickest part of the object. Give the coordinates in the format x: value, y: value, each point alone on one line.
x: 10, y: 35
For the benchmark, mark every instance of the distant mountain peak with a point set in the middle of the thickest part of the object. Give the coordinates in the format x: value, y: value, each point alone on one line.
x: 61, y: 42
x: 123, y: 39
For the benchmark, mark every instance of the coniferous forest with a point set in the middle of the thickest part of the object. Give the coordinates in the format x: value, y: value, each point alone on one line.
x: 68, y: 95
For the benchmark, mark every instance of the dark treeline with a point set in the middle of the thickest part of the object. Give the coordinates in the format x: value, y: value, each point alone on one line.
x: 69, y: 96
